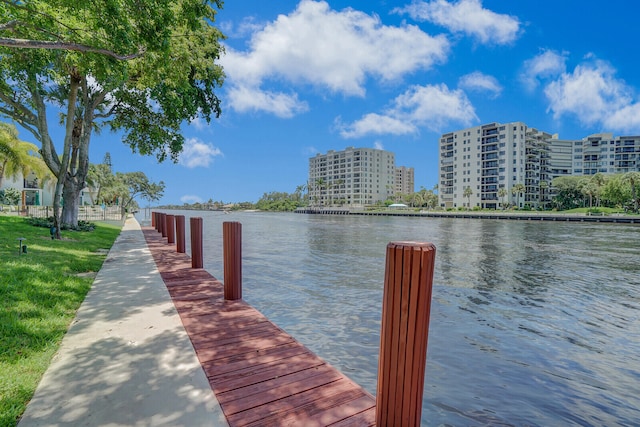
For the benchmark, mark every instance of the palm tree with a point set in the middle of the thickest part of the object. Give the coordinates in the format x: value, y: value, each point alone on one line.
x: 417, y: 200
x: 598, y: 180
x: 468, y: 192
x: 321, y: 185
x: 502, y: 193
x: 590, y: 189
x: 298, y: 192
x: 19, y: 157
x: 516, y: 190
x: 632, y: 178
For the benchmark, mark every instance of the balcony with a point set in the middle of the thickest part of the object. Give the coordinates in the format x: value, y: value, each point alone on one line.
x: 30, y: 184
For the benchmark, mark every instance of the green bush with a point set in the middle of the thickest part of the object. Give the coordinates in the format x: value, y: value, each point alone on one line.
x: 48, y: 223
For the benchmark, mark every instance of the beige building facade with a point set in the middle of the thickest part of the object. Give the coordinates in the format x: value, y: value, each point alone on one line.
x: 352, y: 177
x: 404, y: 180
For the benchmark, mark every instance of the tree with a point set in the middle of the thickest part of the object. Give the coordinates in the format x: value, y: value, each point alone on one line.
x: 8, y: 153
x: 321, y: 185
x: 134, y: 184
x: 99, y: 177
x: 516, y: 190
x: 598, y: 180
x: 18, y: 156
x: 141, y: 68
x: 616, y: 191
x: 569, y: 194
x: 502, y: 193
x: 9, y: 196
x: 468, y: 192
x: 633, y: 179
x: 415, y: 200
x: 589, y: 188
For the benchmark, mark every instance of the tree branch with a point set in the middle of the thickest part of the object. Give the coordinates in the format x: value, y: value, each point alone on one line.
x: 40, y: 44
x: 19, y: 109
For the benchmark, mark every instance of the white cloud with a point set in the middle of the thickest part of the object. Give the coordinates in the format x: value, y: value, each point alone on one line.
x: 468, y: 17
x: 595, y: 96
x: 190, y: 198
x: 625, y: 119
x: 378, y: 145
x: 199, y: 123
x: 248, y: 98
x: 432, y: 107
x: 245, y: 28
x: 327, y: 49
x: 377, y: 124
x: 196, y: 153
x: 545, y: 65
x: 480, y: 82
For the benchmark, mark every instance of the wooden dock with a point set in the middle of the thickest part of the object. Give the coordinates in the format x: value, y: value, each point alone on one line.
x: 260, y: 374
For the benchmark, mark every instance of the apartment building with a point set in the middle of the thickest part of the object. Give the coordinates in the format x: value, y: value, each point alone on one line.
x: 352, y: 177
x: 627, y: 154
x: 477, y: 163
x: 480, y: 166
x: 404, y: 180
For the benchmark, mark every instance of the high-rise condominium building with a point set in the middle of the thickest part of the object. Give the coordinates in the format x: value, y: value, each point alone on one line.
x: 405, y: 183
x: 493, y: 164
x: 481, y: 166
x: 353, y: 177
x: 604, y: 153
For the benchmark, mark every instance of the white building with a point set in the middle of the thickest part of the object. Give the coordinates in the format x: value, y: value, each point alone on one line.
x: 475, y: 164
x: 35, y: 193
x: 353, y: 177
x: 32, y: 192
x: 598, y: 153
x: 480, y: 166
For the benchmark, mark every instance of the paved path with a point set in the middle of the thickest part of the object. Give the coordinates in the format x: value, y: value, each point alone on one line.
x: 126, y: 360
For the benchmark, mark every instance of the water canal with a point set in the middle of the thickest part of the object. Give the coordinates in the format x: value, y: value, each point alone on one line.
x: 532, y: 323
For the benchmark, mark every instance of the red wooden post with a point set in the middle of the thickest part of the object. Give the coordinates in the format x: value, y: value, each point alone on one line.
x: 196, y: 242
x: 153, y: 219
x: 163, y: 224
x: 406, y: 308
x: 232, y: 243
x: 171, y: 230
x: 180, y: 235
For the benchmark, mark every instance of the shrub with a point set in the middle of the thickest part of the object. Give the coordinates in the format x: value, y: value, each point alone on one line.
x: 48, y: 223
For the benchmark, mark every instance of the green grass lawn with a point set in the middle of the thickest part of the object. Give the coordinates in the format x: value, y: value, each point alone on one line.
x: 604, y: 210
x: 40, y: 292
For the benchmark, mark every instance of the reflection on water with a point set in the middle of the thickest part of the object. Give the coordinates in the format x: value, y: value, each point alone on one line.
x: 533, y: 323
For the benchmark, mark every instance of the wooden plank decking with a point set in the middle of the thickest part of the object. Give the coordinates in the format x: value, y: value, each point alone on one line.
x: 260, y: 374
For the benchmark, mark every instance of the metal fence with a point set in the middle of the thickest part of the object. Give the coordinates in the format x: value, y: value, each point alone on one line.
x: 85, y: 213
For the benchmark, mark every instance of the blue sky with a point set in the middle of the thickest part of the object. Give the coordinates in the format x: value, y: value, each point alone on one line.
x: 305, y: 77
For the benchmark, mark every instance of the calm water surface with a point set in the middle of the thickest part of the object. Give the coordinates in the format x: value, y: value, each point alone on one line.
x: 532, y: 323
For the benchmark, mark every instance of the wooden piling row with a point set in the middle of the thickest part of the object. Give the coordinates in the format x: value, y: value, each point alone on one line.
x: 406, y: 306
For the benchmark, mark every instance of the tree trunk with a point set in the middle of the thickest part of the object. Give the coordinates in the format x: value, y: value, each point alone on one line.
x: 71, y: 199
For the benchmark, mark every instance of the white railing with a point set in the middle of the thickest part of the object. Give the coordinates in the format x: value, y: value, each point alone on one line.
x: 85, y: 213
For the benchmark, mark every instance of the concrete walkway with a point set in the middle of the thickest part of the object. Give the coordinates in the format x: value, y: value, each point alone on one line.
x: 126, y: 360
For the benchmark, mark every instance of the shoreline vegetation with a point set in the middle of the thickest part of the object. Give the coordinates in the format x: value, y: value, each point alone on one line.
x: 40, y: 292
